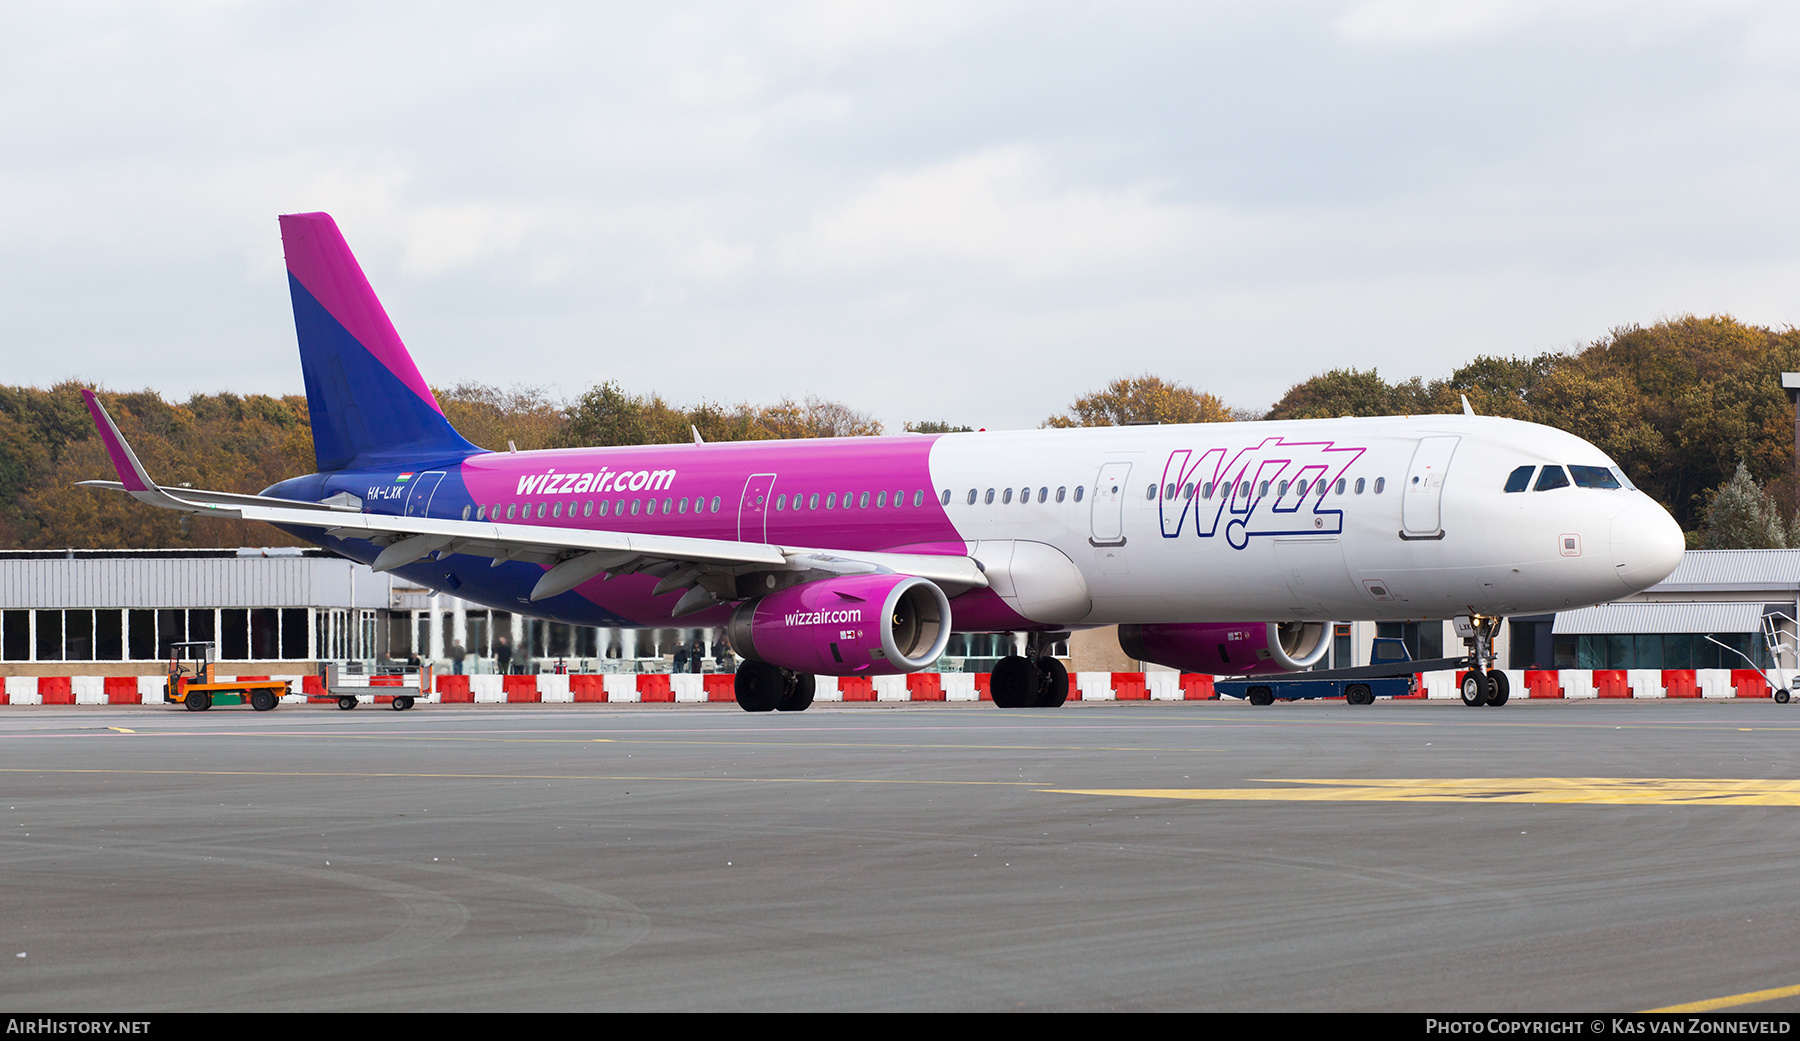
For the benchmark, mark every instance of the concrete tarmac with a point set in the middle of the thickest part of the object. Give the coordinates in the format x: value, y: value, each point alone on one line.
x: 1570, y: 856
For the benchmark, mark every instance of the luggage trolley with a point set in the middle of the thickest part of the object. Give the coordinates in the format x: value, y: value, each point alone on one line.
x: 405, y: 685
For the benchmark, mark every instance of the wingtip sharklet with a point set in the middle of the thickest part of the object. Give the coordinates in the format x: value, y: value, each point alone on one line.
x: 124, y: 460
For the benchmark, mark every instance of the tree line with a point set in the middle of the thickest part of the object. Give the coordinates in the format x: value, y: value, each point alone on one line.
x: 1690, y: 407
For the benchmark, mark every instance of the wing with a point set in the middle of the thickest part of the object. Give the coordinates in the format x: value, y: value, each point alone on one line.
x: 712, y: 571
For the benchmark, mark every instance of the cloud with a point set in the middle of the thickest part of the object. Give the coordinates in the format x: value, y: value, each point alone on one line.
x: 998, y: 208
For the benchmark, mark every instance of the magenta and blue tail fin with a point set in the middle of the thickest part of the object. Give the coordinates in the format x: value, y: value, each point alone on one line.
x: 370, y: 407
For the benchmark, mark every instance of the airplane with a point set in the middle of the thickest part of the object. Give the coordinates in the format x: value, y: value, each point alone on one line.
x: 1223, y: 547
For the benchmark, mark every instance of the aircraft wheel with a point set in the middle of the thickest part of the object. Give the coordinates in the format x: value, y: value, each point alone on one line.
x: 800, y: 697
x: 1260, y: 696
x: 402, y: 703
x: 1053, y: 683
x: 198, y: 701
x: 1359, y: 694
x: 346, y: 703
x: 1013, y: 683
x: 1781, y: 697
x: 263, y: 700
x: 1475, y: 688
x: 1501, y: 687
x: 759, y: 686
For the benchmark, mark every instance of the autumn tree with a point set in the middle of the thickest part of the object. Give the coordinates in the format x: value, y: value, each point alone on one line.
x: 1742, y: 516
x: 1142, y: 399
x: 491, y: 417
x: 608, y: 415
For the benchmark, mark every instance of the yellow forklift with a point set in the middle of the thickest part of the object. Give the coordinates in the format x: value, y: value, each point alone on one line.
x: 191, y: 682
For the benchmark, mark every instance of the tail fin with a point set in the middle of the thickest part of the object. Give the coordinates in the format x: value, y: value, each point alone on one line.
x: 369, y: 405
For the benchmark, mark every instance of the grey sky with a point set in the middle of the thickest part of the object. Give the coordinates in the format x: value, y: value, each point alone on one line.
x: 964, y: 211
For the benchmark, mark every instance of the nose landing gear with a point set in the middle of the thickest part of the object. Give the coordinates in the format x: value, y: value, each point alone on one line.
x: 1483, y: 684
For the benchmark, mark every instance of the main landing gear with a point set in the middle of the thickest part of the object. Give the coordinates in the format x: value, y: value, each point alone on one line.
x: 1483, y: 684
x: 1035, y: 680
x: 762, y: 687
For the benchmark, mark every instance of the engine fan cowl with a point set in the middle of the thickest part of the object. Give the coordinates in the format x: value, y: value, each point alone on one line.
x: 1229, y: 648
x: 860, y: 625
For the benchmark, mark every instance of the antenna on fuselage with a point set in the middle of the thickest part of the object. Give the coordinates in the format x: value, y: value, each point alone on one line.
x: 696, y: 431
x: 1467, y: 411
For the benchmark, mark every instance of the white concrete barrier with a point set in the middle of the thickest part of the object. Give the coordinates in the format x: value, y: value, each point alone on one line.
x: 1163, y: 686
x: 1094, y: 686
x: 489, y: 689
x: 959, y: 686
x: 554, y: 689
x: 88, y: 690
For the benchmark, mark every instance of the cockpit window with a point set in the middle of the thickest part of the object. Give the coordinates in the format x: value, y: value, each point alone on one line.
x: 1552, y: 477
x: 1593, y: 477
x: 1519, y: 479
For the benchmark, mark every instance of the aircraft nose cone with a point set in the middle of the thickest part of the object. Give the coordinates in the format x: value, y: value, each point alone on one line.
x: 1646, y: 545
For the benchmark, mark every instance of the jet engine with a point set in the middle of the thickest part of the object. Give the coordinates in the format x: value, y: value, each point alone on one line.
x: 858, y: 625
x: 1229, y: 648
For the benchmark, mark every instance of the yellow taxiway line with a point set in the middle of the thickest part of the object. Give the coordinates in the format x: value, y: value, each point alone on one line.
x: 1605, y: 791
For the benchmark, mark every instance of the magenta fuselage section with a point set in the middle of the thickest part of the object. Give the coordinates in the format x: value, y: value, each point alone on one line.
x: 846, y: 494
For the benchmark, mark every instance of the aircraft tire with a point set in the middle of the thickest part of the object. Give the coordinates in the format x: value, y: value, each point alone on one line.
x: 1475, y: 688
x: 758, y: 686
x: 198, y: 701
x: 799, y: 697
x: 1499, y: 688
x: 1053, y: 683
x: 1358, y: 694
x: 263, y: 700
x: 1013, y: 683
x: 1260, y: 696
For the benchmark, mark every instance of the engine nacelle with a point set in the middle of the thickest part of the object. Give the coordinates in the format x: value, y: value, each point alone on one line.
x: 858, y: 625
x: 1228, y: 648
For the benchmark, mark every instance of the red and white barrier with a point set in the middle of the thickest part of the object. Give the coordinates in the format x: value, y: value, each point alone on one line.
x: 696, y: 688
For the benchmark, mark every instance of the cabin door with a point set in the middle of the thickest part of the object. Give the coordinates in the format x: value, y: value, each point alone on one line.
x: 753, y: 508
x: 1422, y: 495
x: 418, y: 497
x: 1109, y: 505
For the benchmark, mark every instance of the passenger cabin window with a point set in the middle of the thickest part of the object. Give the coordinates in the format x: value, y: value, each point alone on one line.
x: 1593, y: 477
x: 1060, y: 492
x: 946, y: 499
x: 1340, y: 486
x: 1519, y: 479
x: 1380, y: 483
x: 1078, y: 490
x: 1552, y: 477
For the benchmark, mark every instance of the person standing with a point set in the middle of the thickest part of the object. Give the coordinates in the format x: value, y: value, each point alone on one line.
x: 681, y: 656
x: 503, y: 655
x: 696, y: 656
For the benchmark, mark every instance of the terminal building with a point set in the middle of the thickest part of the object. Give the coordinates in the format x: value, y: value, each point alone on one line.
x: 287, y: 610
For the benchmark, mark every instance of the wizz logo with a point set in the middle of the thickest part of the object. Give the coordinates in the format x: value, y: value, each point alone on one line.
x: 1275, y: 488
